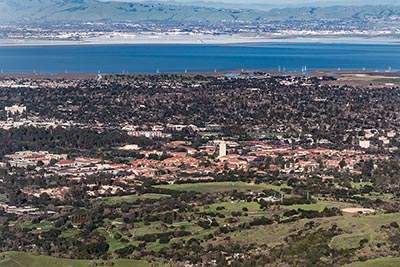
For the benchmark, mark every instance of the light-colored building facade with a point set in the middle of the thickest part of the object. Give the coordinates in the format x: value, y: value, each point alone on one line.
x: 222, y: 149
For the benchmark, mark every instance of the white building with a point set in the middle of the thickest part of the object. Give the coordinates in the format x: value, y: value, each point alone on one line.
x: 129, y: 147
x: 364, y: 143
x: 368, y: 134
x: 384, y: 140
x: 14, y: 109
x: 149, y: 134
x: 222, y: 149
x: 391, y: 134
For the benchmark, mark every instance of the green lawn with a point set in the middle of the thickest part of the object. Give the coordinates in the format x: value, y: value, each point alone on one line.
x: 221, y: 187
x: 252, y: 207
x: 132, y: 198
x: 209, y: 134
x: 381, y: 262
x: 387, y: 80
x: 356, y: 227
x: 367, y: 223
x: 70, y: 232
x: 114, y: 243
x: 319, y: 206
x: 360, y: 184
x: 21, y: 259
x: 347, y: 241
x: 235, y: 206
x: 267, y: 234
x: 42, y: 226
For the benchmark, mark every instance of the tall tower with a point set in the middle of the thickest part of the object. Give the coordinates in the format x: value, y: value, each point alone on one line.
x: 222, y: 148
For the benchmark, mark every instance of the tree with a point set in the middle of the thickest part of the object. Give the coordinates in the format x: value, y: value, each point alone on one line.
x: 164, y: 239
x: 342, y: 164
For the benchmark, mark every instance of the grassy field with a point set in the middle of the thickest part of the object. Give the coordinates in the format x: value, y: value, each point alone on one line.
x: 36, y: 228
x: 234, y: 206
x: 70, y: 232
x: 221, y: 187
x: 114, y: 243
x: 132, y: 198
x: 388, y: 80
x: 381, y: 262
x: 277, y: 232
x: 360, y: 184
x: 252, y: 210
x: 319, y: 206
x: 266, y: 234
x: 21, y: 259
x: 348, y: 241
x: 356, y: 227
x: 369, y: 78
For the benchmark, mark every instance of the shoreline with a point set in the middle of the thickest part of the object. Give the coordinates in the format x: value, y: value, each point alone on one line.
x: 203, y: 40
x: 311, y: 73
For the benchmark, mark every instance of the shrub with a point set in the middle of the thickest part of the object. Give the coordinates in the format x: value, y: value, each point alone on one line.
x: 164, y: 240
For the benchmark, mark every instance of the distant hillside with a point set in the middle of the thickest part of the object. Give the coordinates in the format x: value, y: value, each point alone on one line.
x: 268, y: 5
x: 335, y: 12
x: 93, y: 10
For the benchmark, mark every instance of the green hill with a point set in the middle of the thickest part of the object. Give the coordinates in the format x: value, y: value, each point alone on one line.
x: 93, y: 10
x: 335, y: 12
x: 21, y: 259
x: 381, y: 262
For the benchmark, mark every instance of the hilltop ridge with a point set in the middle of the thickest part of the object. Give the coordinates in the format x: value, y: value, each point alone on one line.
x: 93, y: 10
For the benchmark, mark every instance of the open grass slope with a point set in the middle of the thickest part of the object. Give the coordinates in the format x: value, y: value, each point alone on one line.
x: 22, y: 259
x: 132, y: 198
x: 381, y: 262
x: 221, y: 187
x: 360, y: 184
x: 356, y: 228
